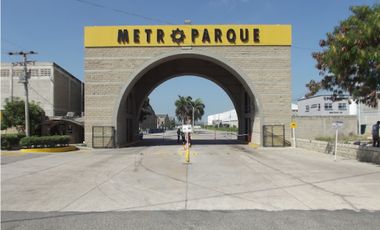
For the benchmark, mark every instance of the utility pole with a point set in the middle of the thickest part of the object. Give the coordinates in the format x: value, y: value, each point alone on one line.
x: 193, y: 117
x: 24, y: 79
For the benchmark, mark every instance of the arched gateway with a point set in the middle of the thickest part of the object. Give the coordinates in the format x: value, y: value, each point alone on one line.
x: 124, y: 64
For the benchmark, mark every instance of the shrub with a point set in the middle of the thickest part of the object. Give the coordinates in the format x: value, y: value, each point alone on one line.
x: 10, y: 141
x: 44, y: 141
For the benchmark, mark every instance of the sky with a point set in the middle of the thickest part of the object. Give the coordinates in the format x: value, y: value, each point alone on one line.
x: 54, y: 29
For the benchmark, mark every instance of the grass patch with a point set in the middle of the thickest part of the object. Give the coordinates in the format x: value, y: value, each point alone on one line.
x: 343, y: 139
x: 227, y: 129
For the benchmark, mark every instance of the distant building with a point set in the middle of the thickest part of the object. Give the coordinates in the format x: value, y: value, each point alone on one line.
x: 58, y: 92
x: 294, y: 109
x: 228, y: 117
x: 150, y: 121
x: 368, y: 116
x: 163, y: 121
x: 323, y: 105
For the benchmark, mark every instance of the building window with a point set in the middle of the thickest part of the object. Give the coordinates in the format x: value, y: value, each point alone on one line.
x: 307, y: 109
x: 319, y: 107
x: 18, y: 73
x: 342, y: 106
x: 45, y: 72
x: 34, y: 72
x: 328, y: 106
x: 5, y: 72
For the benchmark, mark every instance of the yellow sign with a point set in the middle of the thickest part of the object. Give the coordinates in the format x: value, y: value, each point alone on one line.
x: 188, y: 35
x: 293, y: 125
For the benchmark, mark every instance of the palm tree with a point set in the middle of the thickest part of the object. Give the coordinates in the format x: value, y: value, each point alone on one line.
x: 182, y: 108
x: 198, y: 107
x: 185, y: 106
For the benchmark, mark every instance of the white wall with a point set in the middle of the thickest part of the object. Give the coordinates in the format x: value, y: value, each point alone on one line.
x: 40, y: 85
x: 56, y: 91
x: 315, y: 106
x: 228, y: 117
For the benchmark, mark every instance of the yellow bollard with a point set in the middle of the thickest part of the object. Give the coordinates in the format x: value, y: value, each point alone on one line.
x: 187, y: 158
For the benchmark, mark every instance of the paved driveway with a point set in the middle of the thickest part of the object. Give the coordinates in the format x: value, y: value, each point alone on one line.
x: 220, y: 177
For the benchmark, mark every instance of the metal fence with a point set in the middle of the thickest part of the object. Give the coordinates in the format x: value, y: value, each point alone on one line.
x: 103, y: 137
x: 274, y: 135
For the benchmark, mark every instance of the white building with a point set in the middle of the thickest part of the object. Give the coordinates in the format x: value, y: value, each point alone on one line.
x: 323, y: 105
x: 56, y: 90
x: 367, y: 117
x: 228, y: 117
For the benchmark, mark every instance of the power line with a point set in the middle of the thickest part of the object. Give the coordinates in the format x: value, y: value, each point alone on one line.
x: 123, y: 12
x: 305, y: 48
x: 155, y: 19
x: 11, y: 43
x: 35, y: 91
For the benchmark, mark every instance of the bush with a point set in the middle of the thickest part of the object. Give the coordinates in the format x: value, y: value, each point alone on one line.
x: 44, y: 141
x: 10, y: 141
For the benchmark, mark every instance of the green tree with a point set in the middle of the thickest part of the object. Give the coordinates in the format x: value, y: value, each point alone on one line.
x: 172, y: 123
x: 184, y: 108
x: 13, y: 115
x: 198, y: 109
x: 350, y: 60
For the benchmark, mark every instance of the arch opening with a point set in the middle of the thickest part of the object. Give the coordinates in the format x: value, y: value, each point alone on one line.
x: 155, y: 73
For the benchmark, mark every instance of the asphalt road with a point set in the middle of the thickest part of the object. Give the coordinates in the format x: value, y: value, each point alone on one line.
x: 227, y: 186
x: 218, y: 220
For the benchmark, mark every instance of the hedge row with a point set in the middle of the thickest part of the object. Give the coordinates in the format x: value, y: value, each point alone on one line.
x: 44, y: 141
x: 10, y: 141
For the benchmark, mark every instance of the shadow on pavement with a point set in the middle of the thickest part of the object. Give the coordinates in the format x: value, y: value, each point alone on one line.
x: 159, y: 142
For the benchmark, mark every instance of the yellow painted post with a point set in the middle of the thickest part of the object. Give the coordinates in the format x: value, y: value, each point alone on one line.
x: 187, y: 158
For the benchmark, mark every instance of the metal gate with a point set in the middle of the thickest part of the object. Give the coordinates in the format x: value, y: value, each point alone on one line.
x: 274, y: 135
x: 103, y: 137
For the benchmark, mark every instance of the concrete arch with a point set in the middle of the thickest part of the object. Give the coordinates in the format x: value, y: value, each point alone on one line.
x: 207, y: 59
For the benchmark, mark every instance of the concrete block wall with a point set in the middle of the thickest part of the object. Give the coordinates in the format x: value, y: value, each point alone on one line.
x: 356, y: 152
x: 267, y: 68
x: 67, y: 94
x: 321, y: 126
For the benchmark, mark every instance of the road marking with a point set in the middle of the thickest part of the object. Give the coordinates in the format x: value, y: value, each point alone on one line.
x: 182, y: 152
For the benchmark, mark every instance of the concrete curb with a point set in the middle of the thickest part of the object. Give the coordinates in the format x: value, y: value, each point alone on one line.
x: 253, y: 145
x: 49, y: 150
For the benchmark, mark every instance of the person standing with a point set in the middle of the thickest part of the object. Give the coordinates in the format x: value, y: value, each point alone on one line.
x: 183, y: 138
x: 178, y: 135
x: 375, y: 134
